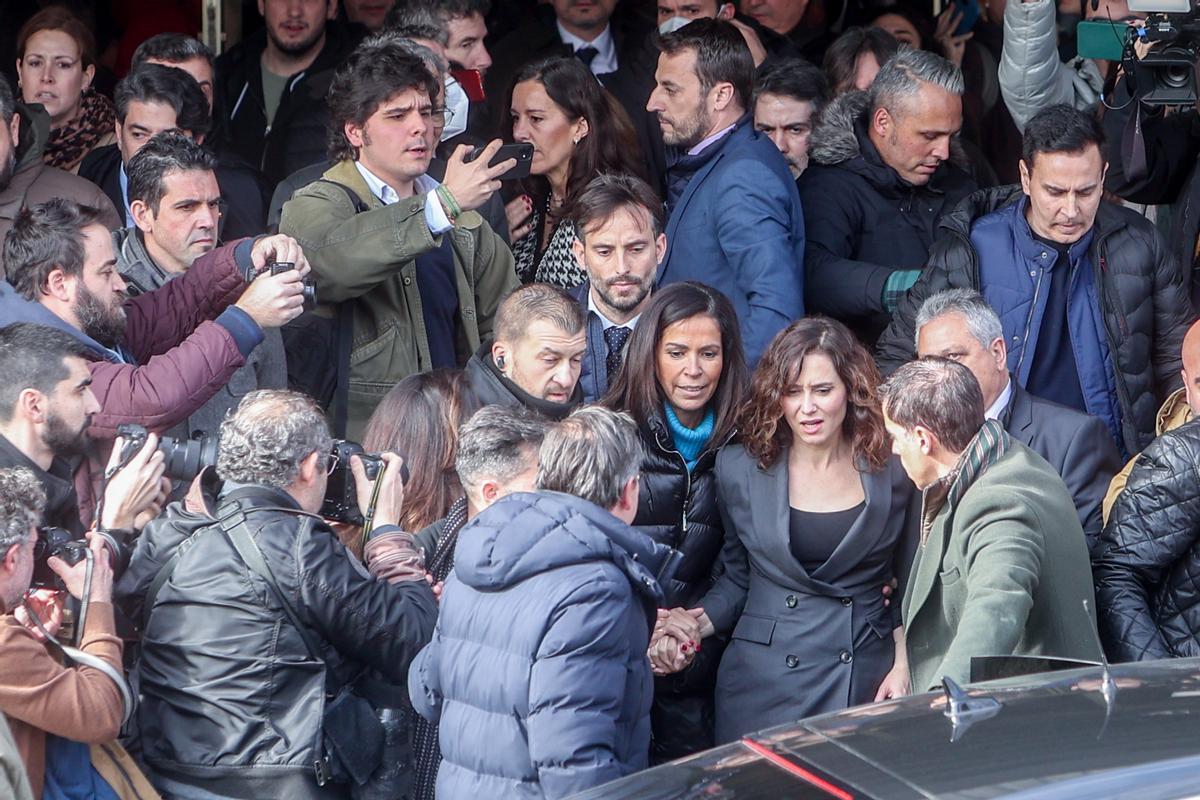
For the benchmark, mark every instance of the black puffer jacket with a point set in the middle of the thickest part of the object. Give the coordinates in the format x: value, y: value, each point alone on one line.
x: 231, y: 700
x: 1148, y: 567
x: 862, y: 221
x: 679, y: 509
x: 1145, y: 308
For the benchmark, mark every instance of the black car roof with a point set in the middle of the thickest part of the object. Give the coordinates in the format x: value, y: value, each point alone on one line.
x: 1054, y: 735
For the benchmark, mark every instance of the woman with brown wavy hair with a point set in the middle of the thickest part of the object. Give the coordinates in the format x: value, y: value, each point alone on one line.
x: 419, y: 418
x: 819, y: 517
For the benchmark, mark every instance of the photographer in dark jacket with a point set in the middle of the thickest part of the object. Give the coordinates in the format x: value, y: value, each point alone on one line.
x: 234, y: 701
x: 682, y: 382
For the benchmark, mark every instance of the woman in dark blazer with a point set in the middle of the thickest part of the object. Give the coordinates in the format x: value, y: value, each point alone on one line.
x: 682, y: 381
x: 818, y: 518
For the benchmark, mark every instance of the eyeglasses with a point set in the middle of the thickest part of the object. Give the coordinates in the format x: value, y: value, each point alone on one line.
x: 331, y: 463
x: 442, y: 115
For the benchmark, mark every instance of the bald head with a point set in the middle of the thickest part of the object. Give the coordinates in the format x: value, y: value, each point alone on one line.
x: 1191, y: 366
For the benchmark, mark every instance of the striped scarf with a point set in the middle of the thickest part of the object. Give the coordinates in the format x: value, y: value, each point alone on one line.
x: 988, y: 446
x: 427, y: 754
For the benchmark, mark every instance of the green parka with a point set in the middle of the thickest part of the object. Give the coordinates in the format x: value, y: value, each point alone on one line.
x: 369, y: 260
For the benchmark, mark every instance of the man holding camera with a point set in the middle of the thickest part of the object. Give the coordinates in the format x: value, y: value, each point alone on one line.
x: 252, y: 614
x: 160, y: 356
x: 414, y: 272
x: 175, y: 203
x: 57, y: 709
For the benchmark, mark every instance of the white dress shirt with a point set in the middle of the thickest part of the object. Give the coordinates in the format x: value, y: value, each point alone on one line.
x: 435, y: 215
x: 606, y: 49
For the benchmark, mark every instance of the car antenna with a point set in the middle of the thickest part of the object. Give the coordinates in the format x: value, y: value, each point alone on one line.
x: 1108, y: 686
x: 965, y: 710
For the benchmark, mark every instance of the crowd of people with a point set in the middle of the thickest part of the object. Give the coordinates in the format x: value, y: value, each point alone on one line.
x: 444, y: 398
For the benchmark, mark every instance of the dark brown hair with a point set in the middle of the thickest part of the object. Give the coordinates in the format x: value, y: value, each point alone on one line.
x: 419, y: 419
x: 57, y: 18
x: 722, y: 55
x: 635, y: 388
x: 939, y: 395
x: 762, y: 434
x: 606, y: 194
x: 611, y: 144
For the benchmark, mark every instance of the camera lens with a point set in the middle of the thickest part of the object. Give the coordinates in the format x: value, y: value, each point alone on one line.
x: 183, y: 460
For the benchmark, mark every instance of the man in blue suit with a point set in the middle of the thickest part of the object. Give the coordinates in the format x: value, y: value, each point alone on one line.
x: 735, y: 220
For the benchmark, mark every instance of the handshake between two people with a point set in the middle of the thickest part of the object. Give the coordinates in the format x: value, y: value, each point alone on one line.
x: 677, y: 637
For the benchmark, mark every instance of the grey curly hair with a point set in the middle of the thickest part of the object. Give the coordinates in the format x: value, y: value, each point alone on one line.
x: 22, y: 503
x: 266, y: 438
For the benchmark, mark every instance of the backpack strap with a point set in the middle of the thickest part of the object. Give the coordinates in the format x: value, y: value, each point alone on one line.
x: 345, y: 335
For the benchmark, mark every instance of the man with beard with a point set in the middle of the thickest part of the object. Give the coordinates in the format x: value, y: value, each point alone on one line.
x: 160, y: 356
x: 620, y: 242
x: 46, y: 406
x: 25, y: 179
x: 735, y: 221
x: 271, y: 87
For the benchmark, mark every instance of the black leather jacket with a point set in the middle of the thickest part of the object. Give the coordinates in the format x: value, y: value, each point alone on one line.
x: 231, y: 700
x: 1147, y: 593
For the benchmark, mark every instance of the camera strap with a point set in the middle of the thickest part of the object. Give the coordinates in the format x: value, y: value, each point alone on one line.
x: 345, y: 335
x: 232, y: 521
x: 84, y: 659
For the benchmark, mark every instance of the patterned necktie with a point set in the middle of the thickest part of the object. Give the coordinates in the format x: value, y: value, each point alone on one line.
x: 587, y: 55
x: 615, y: 337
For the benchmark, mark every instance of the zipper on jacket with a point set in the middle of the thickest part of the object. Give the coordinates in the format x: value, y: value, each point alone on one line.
x: 1118, y: 374
x: 1037, y: 287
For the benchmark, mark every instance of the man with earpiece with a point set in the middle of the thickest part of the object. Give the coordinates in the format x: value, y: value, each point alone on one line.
x: 537, y: 354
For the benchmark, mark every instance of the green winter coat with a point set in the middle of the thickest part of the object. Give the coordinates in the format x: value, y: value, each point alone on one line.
x: 1003, y: 568
x: 369, y: 260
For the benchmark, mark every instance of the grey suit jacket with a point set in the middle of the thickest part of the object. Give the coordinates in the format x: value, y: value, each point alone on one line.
x: 803, y: 643
x: 1077, y: 445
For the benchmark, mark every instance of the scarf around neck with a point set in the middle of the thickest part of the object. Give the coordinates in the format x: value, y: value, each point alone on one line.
x: 69, y: 144
x: 690, y: 441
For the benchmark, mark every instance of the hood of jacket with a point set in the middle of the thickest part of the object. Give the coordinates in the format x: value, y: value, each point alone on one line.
x: 34, y: 135
x: 134, y: 263
x: 840, y: 138
x: 492, y: 388
x: 528, y: 533
x: 15, y: 308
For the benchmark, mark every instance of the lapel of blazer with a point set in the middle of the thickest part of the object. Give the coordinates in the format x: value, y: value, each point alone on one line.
x: 773, y: 525
x: 870, y: 526
x: 685, y: 198
x: 928, y: 564
x: 1020, y: 412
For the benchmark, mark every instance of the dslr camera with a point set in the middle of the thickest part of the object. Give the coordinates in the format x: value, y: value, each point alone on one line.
x: 182, y: 458
x: 60, y: 542
x: 310, y: 289
x: 341, y: 498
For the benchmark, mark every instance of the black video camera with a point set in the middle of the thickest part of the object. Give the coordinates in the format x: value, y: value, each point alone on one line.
x: 341, y: 499
x: 183, y: 459
x: 60, y: 542
x: 310, y: 289
x: 1166, y: 75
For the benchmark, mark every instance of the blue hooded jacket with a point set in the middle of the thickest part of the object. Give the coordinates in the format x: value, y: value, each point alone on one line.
x: 537, y: 672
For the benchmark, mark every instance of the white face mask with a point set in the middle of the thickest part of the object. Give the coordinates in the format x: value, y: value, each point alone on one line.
x: 672, y: 25
x: 458, y: 104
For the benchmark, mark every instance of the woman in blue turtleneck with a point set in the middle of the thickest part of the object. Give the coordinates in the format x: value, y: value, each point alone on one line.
x: 682, y: 381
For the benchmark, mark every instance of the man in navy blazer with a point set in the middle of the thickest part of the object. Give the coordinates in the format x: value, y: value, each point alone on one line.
x: 735, y: 219
x: 959, y: 324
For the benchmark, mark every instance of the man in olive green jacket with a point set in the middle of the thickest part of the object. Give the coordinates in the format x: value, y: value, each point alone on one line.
x: 423, y: 272
x: 1002, y: 568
